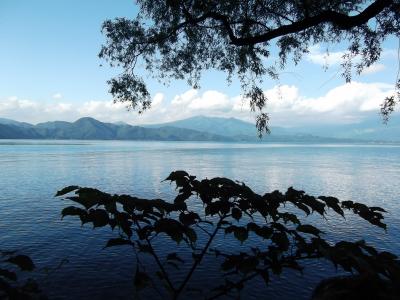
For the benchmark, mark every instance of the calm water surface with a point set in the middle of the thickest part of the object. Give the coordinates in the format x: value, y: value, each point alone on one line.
x: 32, y: 171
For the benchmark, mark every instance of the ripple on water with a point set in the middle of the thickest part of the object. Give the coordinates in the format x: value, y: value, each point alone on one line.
x: 32, y: 171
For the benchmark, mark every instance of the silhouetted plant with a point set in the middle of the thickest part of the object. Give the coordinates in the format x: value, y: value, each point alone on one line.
x: 10, y: 287
x: 282, y: 239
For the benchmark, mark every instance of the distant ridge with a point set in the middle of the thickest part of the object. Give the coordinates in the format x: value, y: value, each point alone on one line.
x: 92, y: 129
x: 5, y: 121
x: 371, y: 129
x: 199, y: 128
x: 10, y: 131
x: 222, y: 126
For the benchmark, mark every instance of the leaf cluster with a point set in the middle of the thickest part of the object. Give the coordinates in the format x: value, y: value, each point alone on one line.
x: 271, y: 225
x: 10, y: 288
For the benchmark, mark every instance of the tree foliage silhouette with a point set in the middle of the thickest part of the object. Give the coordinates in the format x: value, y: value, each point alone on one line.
x: 283, y: 241
x: 10, y: 287
x: 180, y: 39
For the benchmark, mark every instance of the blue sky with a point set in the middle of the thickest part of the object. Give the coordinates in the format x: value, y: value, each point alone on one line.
x: 50, y: 70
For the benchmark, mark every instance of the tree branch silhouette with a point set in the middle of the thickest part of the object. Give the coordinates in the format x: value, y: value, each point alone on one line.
x: 182, y: 39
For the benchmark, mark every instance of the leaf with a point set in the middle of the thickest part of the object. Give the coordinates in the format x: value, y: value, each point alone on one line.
x: 177, y: 236
x: 23, y: 262
x: 181, y: 179
x: 4, y: 286
x: 230, y: 262
x: 230, y: 229
x: 66, y: 190
x: 333, y: 203
x: 309, y: 229
x: 371, y: 250
x: 144, y: 232
x: 213, y: 208
x: 176, y: 175
x: 73, y: 211
x: 236, y: 213
x: 377, y: 208
x: 98, y: 217
x: 174, y: 256
x: 241, y: 234
x: 171, y: 227
x: 281, y: 240
x: 188, y: 219
x: 111, y: 207
x: 117, y: 242
x: 314, y: 204
x: 85, y: 202
x: 248, y: 265
x: 224, y: 207
x: 387, y: 255
x: 265, y: 232
x: 347, y: 204
x: 89, y: 197
x: 8, y: 274
x: 288, y: 217
x: 191, y: 234
x: 293, y: 264
x: 182, y: 197
x: 126, y: 228
x: 303, y: 207
x: 244, y: 204
x: 222, y: 181
x: 171, y: 263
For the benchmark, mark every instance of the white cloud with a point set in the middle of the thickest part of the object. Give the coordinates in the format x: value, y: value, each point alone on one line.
x: 13, y: 103
x: 57, y: 96
x: 184, y: 98
x: 349, y: 98
x: 210, y: 100
x: 375, y: 68
x: 157, y: 100
x: 328, y: 59
x: 59, y: 108
x: 286, y: 104
x: 324, y: 58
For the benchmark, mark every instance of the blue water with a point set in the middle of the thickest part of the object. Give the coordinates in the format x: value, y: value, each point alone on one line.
x: 32, y: 171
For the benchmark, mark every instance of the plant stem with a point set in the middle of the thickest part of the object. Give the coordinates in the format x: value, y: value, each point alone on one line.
x: 158, y: 261
x: 198, y: 260
x: 160, y: 265
x: 232, y: 285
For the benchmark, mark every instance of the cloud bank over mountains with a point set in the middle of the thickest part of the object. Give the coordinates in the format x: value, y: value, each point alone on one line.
x: 347, y: 103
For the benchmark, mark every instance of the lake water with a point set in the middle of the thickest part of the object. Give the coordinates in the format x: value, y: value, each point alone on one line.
x: 32, y: 171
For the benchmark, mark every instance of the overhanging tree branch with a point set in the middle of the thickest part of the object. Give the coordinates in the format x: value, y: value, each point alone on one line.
x: 342, y: 21
x: 184, y: 38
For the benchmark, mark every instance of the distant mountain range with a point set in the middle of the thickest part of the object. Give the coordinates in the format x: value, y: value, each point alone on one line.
x: 199, y: 128
x: 369, y: 130
x: 92, y: 129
